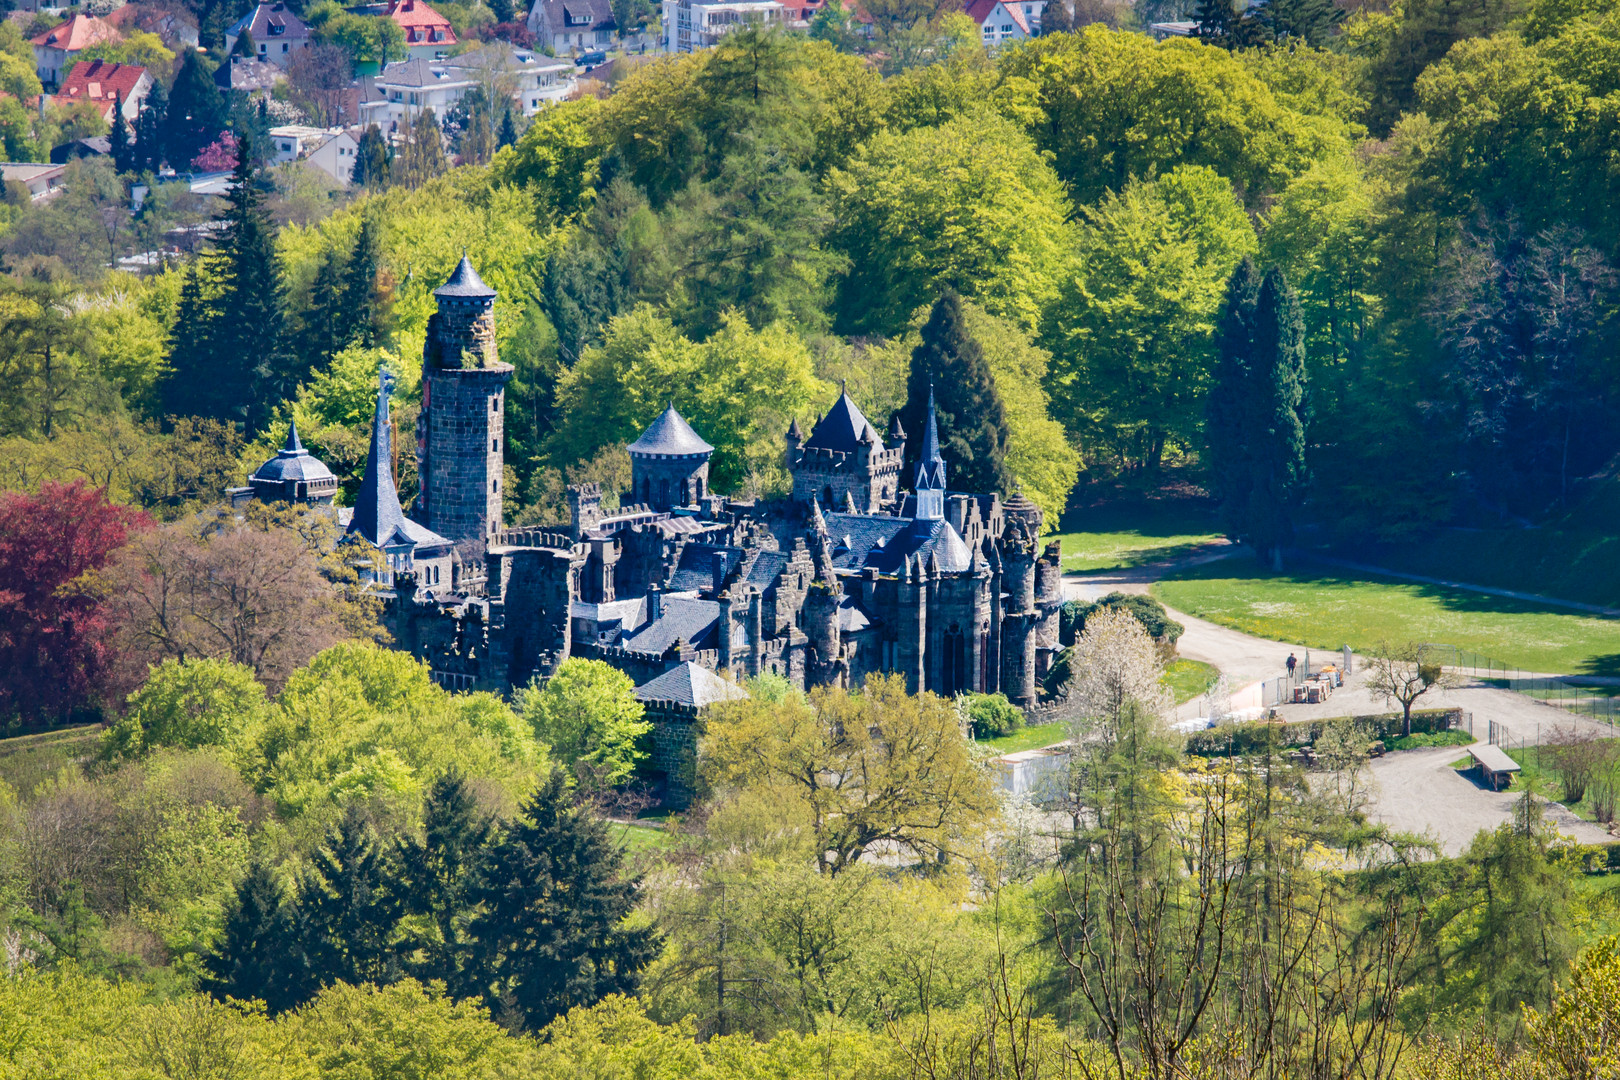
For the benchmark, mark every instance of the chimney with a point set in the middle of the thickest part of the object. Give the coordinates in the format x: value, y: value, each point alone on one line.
x: 655, y: 603
x: 718, y: 570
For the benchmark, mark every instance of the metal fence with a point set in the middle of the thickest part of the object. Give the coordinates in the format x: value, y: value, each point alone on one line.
x: 1590, y: 697
x: 1280, y: 691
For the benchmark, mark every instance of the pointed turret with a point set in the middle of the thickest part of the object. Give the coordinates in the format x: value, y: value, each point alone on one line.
x: 897, y: 433
x: 849, y: 503
x: 795, y: 434
x: 930, y: 483
x: 378, y: 517
x: 293, y: 447
x: 818, y: 524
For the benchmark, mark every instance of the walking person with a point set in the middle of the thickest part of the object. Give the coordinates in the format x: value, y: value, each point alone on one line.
x: 1292, y: 663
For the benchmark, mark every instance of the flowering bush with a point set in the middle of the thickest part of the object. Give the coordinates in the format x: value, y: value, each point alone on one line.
x: 217, y: 156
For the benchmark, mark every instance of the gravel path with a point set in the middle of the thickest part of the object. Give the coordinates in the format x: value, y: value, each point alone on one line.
x: 1418, y: 792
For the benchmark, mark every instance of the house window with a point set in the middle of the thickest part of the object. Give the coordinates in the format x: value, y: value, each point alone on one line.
x: 286, y: 147
x: 283, y: 46
x: 1006, y: 28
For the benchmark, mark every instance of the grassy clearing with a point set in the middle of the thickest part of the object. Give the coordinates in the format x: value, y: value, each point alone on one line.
x: 635, y: 838
x: 26, y: 761
x: 1187, y: 679
x: 1029, y: 738
x: 1132, y: 533
x: 1540, y: 774
x: 1325, y: 609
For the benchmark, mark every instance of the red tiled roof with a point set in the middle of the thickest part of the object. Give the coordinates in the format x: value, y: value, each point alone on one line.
x: 77, y: 33
x: 101, y: 81
x: 415, y: 14
x: 980, y: 10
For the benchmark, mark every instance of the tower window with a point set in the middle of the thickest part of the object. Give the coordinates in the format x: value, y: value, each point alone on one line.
x: 494, y: 485
x: 494, y: 446
x: 494, y: 404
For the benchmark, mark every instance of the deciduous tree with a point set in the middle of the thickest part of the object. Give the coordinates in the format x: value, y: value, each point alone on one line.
x: 587, y: 713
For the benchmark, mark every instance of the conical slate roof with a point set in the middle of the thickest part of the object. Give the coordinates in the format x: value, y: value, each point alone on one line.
x: 293, y: 462
x: 843, y: 428
x: 378, y: 517
x: 689, y: 684
x: 930, y: 463
x: 465, y: 283
x: 670, y: 435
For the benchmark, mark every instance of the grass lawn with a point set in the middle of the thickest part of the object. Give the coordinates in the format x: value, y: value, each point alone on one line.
x: 1324, y: 609
x: 28, y: 760
x: 1029, y: 738
x: 639, y: 837
x: 1132, y: 533
x: 1423, y: 739
x: 1186, y: 679
x: 1544, y: 777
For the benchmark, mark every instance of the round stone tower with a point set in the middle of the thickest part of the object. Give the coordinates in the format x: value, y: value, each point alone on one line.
x: 460, y: 435
x: 669, y: 464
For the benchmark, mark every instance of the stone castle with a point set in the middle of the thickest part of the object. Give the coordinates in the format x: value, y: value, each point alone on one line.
x: 850, y: 575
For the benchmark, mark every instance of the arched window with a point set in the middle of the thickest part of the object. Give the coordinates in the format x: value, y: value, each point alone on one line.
x: 686, y: 493
x: 826, y: 496
x: 663, y: 493
x: 646, y: 490
x: 953, y: 664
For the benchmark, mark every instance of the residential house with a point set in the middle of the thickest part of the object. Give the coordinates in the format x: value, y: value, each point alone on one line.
x: 533, y: 79
x: 175, y: 25
x: 572, y: 25
x: 277, y: 34
x: 406, y: 87
x: 1006, y: 20
x: 94, y: 146
x: 41, y: 179
x: 700, y: 24
x: 55, y: 49
x: 427, y: 33
x: 108, y: 85
x: 331, y: 150
x: 251, y: 77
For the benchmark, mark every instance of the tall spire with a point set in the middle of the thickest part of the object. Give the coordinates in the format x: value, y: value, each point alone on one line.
x: 930, y: 483
x: 377, y: 513
x: 293, y: 447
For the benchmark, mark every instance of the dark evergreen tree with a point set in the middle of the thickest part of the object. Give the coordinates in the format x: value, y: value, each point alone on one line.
x: 323, y: 329
x: 1310, y: 21
x: 191, y: 389
x: 550, y: 934
x: 368, y: 298
x: 120, y: 140
x: 261, y: 955
x: 1278, y: 384
x: 196, y: 111
x: 437, y: 875
x: 1228, y: 412
x: 244, y: 45
x: 348, y: 911
x: 972, y: 421
x: 371, y: 160
x: 228, y: 356
x: 1221, y: 23
x: 150, y: 125
x: 508, y: 134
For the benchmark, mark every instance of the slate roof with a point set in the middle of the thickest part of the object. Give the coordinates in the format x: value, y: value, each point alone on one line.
x: 767, y: 568
x: 690, y: 684
x: 559, y: 15
x: 464, y: 281
x: 862, y: 541
x: 844, y: 427
x: 930, y: 462
x: 671, y: 436
x: 693, y: 621
x: 270, y: 21
x: 695, y: 571
x: 378, y: 517
x: 293, y: 462
x: 852, y: 617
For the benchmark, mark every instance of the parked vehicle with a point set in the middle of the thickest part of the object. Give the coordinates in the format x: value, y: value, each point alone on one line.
x: 591, y: 59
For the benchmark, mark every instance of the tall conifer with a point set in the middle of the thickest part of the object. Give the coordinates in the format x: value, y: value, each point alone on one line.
x: 368, y: 299
x: 119, y: 139
x: 150, y: 124
x: 196, y: 112
x: 323, y: 331
x: 972, y: 421
x: 1229, y: 416
x: 1278, y: 379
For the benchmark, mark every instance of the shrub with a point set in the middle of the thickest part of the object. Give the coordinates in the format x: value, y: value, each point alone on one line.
x: 1148, y: 611
x: 993, y: 716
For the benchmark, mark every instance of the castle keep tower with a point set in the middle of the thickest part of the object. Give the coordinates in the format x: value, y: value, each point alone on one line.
x: 460, y: 432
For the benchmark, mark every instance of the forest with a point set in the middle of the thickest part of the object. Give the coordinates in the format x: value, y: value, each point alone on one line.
x: 240, y: 837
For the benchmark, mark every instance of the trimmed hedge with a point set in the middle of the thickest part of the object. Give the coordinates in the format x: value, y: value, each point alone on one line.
x: 1241, y: 739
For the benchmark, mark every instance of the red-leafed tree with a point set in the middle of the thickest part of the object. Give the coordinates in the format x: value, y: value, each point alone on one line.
x: 55, y: 632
